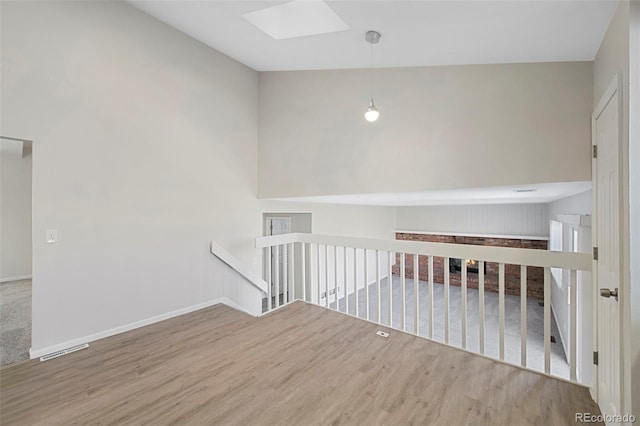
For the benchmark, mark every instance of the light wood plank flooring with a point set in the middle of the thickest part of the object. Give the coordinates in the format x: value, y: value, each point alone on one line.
x: 299, y: 365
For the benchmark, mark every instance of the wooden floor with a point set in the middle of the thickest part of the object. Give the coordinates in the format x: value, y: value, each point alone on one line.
x: 300, y: 365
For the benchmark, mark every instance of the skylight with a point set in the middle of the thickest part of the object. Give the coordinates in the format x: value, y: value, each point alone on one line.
x: 297, y: 18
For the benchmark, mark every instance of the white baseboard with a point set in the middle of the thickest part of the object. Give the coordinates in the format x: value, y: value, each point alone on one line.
x: 23, y: 277
x: 37, y: 353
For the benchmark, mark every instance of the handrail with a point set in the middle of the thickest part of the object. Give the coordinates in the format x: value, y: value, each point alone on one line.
x: 507, y: 255
x: 235, y: 264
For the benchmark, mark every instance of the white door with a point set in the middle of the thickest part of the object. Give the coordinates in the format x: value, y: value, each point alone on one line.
x: 278, y: 226
x: 606, y: 133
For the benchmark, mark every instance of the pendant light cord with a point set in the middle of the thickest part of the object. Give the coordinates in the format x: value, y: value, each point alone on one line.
x: 371, y: 73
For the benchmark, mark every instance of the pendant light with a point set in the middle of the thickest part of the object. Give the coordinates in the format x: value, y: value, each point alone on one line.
x: 372, y: 113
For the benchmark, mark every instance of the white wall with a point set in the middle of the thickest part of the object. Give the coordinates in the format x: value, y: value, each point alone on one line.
x: 576, y: 204
x: 614, y: 58
x: 440, y: 128
x: 15, y: 211
x: 144, y: 139
x: 499, y: 219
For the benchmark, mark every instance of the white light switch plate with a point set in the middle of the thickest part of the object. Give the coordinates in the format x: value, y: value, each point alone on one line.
x: 52, y: 236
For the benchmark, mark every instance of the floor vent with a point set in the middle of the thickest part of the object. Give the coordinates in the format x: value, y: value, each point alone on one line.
x: 64, y: 352
x: 382, y: 334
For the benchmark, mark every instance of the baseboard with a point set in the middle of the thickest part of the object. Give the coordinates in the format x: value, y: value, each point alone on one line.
x: 37, y: 353
x: 9, y: 279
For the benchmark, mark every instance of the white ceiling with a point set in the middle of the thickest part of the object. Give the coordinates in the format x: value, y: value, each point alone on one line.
x: 414, y: 33
x: 542, y: 193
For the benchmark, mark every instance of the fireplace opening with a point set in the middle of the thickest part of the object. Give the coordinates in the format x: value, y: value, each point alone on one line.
x: 455, y: 265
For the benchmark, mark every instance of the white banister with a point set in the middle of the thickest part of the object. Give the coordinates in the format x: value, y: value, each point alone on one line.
x: 269, y: 277
x: 378, y: 286
x: 303, y: 270
x: 326, y: 275
x: 431, y: 314
x: 403, y: 283
x: 366, y: 284
x: 235, y: 264
x: 277, y: 276
x: 573, y: 313
x: 294, y: 272
x: 523, y: 315
x: 285, y: 273
x: 390, y: 285
x: 547, y: 320
x: 507, y: 255
x: 416, y: 298
x: 446, y: 300
x: 501, y: 307
x: 481, y: 303
x: 346, y: 283
x: 319, y: 276
x: 355, y: 280
x: 335, y: 275
x: 463, y: 301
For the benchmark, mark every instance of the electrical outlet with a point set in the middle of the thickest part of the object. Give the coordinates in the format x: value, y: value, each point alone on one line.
x: 382, y: 333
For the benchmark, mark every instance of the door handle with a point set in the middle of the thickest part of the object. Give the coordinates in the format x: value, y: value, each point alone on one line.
x: 607, y: 293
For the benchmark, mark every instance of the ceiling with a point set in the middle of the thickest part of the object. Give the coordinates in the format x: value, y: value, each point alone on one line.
x: 520, y: 194
x: 414, y: 33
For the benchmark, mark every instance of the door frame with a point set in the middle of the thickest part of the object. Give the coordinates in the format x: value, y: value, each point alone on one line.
x: 615, y: 87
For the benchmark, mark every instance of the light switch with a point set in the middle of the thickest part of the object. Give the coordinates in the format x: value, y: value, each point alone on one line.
x: 52, y: 236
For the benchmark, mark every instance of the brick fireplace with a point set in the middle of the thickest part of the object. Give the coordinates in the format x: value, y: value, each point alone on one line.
x: 535, y: 275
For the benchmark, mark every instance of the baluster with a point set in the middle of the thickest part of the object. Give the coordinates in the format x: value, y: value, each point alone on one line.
x: 355, y: 280
x: 269, y: 278
x: 277, y: 276
x: 431, y: 313
x: 366, y: 283
x: 303, y: 270
x: 319, y: 274
x: 446, y: 300
x: 402, y: 292
x: 573, y: 314
x: 345, y: 284
x: 292, y: 271
x: 285, y: 274
x: 463, y: 301
x: 378, y: 285
x: 547, y: 320
x: 390, y: 286
x: 326, y: 275
x: 523, y: 315
x: 416, y: 292
x: 335, y: 275
x: 501, y: 306
x: 481, y: 303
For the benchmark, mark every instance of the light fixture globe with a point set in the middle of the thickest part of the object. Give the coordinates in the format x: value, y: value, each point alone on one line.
x: 372, y: 113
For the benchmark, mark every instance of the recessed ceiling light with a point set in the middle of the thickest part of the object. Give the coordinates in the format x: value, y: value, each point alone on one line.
x: 297, y: 18
x: 525, y: 190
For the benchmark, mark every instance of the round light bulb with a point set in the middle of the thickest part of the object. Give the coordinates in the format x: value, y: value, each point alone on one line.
x: 372, y: 113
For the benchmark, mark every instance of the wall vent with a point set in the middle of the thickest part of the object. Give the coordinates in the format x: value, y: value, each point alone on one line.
x: 64, y: 352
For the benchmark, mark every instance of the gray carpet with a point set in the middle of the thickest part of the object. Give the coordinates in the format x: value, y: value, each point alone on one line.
x: 535, y: 321
x: 15, y: 321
